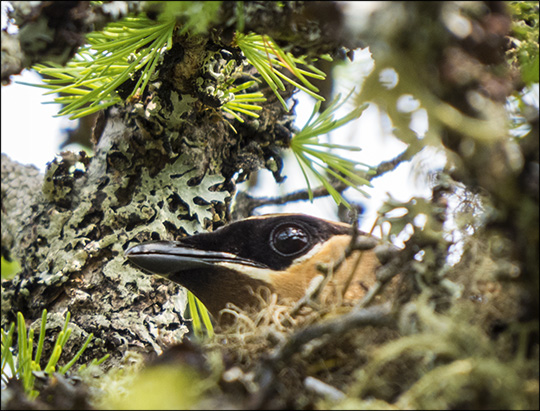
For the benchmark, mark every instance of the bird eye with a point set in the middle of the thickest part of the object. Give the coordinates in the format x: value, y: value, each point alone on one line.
x: 289, y: 239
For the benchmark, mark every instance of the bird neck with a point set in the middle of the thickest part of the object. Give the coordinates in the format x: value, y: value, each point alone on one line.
x: 217, y: 286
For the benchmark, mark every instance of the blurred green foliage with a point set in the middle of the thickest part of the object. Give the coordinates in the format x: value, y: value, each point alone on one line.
x: 9, y: 269
x: 525, y: 32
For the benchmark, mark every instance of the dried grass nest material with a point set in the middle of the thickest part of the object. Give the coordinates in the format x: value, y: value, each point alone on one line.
x: 408, y: 356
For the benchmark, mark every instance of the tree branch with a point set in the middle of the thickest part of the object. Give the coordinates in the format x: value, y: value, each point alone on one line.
x: 246, y: 203
x: 379, y: 315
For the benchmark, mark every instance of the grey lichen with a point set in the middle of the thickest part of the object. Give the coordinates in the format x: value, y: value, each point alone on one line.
x: 21, y: 187
x: 81, y: 233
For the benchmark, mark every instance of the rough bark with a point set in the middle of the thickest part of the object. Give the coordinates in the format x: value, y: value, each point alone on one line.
x: 53, y: 31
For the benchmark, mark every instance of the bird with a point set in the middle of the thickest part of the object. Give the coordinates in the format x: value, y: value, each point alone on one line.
x: 280, y: 252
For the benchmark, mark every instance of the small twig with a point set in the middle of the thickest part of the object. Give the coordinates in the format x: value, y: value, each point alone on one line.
x: 358, y: 260
x: 360, y: 244
x: 250, y: 203
x: 376, y: 315
x: 309, y: 296
x: 390, y: 165
x: 267, y: 375
x: 386, y: 272
x: 325, y: 390
x: 328, y: 271
x: 370, y: 294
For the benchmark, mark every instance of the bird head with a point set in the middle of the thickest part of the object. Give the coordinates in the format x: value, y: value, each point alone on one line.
x: 281, y: 252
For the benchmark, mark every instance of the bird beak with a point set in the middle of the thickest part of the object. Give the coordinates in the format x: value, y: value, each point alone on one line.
x: 215, y: 277
x: 167, y: 257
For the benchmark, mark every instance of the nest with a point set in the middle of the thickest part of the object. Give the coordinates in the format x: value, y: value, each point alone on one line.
x: 459, y: 343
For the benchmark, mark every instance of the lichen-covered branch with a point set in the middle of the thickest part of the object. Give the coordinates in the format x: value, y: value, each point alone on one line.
x: 165, y: 165
x: 52, y: 31
x: 21, y: 187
